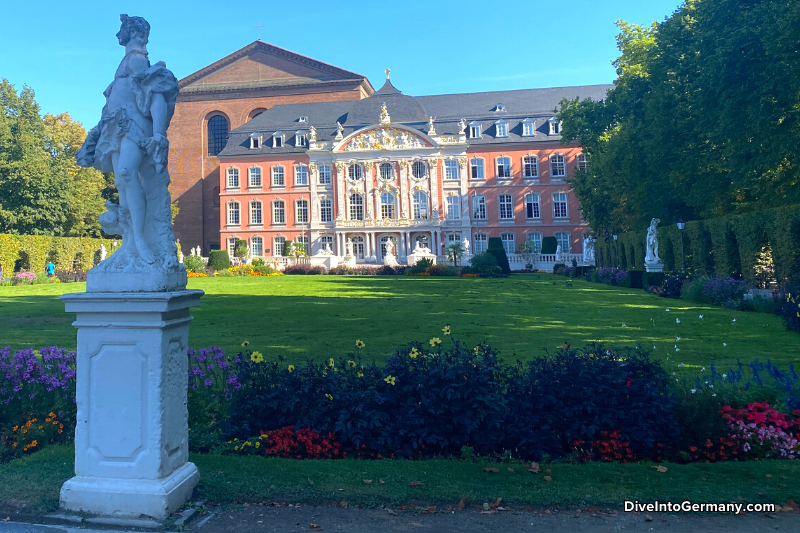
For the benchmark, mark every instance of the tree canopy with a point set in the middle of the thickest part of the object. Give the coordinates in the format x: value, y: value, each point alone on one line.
x: 703, y: 119
x: 42, y: 190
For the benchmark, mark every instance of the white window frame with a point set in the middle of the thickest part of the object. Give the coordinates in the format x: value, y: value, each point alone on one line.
x: 567, y: 239
x: 257, y: 246
x: 277, y: 245
x: 536, y: 240
x: 453, y: 207
x: 301, y: 175
x: 419, y: 170
x: 279, y: 212
x: 232, y: 178
x: 558, y: 166
x: 301, y: 208
x: 325, y: 211
x: 300, y: 140
x: 479, y: 207
x: 474, y: 130
x: 233, y: 208
x: 476, y: 166
x: 386, y: 175
x: 255, y: 141
x: 528, y: 127
x: 512, y: 248
x: 355, y: 172
x: 392, y: 206
x: 276, y: 172
x: 256, y: 213
x: 231, y: 245
x: 325, y: 239
x: 251, y: 172
x: 480, y: 243
x: 277, y: 140
x: 530, y: 163
x: 324, y: 174
x: 533, y: 206
x: 505, y: 206
x: 451, y: 169
x: 356, y: 210
x: 559, y: 202
x: 503, y: 172
x: 555, y: 126
x: 420, y: 209
x: 501, y: 128
x: 581, y: 162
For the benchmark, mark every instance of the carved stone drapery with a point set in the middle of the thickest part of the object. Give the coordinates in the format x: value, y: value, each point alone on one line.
x: 385, y: 139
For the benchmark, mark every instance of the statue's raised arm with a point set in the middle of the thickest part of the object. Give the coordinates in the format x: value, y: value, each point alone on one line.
x: 131, y: 140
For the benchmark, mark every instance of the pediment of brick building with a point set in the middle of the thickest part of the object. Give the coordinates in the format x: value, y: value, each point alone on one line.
x: 384, y: 137
x: 262, y: 65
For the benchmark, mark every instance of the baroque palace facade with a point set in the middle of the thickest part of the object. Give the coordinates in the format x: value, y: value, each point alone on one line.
x: 365, y: 167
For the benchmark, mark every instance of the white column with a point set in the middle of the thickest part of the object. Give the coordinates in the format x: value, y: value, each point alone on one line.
x: 367, y: 187
x: 404, y: 206
x: 433, y: 167
x: 131, y: 437
x: 340, y: 204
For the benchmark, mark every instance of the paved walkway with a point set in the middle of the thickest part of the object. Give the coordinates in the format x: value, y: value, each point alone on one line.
x: 258, y: 519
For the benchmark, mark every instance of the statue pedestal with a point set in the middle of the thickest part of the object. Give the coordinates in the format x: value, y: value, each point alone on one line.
x: 653, y: 266
x: 417, y: 255
x: 349, y: 261
x: 131, y: 439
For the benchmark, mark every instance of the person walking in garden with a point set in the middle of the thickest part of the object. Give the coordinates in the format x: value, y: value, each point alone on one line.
x: 50, y: 269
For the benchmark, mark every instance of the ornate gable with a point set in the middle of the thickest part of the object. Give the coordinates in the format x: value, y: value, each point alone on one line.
x: 384, y: 138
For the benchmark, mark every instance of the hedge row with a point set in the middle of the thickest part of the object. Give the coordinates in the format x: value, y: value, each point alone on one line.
x: 725, y: 246
x: 32, y: 252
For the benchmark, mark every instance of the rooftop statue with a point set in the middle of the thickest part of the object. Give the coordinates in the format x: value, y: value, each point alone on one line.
x: 131, y: 140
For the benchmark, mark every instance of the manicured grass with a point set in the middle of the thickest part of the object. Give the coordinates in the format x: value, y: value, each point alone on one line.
x: 322, y: 316
x: 35, y: 481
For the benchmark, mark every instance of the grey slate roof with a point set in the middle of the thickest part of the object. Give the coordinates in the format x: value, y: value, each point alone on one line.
x: 448, y: 110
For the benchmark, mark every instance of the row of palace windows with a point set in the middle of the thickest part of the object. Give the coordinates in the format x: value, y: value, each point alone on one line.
x: 480, y: 242
x: 388, y: 208
x: 355, y: 172
x: 501, y: 128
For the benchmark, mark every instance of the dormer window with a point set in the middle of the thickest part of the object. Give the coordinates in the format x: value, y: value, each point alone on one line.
x: 303, y: 119
x: 555, y: 126
x: 502, y: 128
x: 499, y: 108
x: 255, y: 140
x: 277, y: 140
x: 300, y: 139
x: 474, y: 130
x: 528, y: 127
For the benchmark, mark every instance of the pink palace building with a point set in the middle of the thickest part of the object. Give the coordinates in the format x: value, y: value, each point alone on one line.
x: 429, y: 169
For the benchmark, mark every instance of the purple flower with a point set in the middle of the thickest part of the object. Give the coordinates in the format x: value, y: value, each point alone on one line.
x: 209, y: 382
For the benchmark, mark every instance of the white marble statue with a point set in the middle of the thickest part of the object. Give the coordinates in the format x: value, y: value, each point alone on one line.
x: 180, y: 257
x: 348, y: 247
x: 103, y: 252
x: 328, y: 248
x: 389, y: 258
x: 418, y: 247
x: 588, y: 249
x: 130, y: 140
x: 197, y: 251
x: 465, y: 246
x: 462, y: 126
x: 431, y: 128
x: 559, y: 254
x: 652, y: 243
x: 312, y: 134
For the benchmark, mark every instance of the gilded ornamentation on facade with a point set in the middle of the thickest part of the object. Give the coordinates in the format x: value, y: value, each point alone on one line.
x: 384, y: 139
x: 385, y: 118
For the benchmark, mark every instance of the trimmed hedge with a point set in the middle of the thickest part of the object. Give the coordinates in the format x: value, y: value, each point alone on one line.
x: 727, y: 246
x: 219, y: 259
x: 495, y: 248
x: 34, y: 251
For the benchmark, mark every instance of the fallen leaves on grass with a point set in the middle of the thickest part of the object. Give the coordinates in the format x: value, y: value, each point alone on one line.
x: 462, y: 504
x: 429, y: 509
x: 415, y: 483
x: 660, y: 468
x: 534, y: 469
x: 367, y: 481
x: 489, y: 469
x: 315, y: 527
x: 548, y: 478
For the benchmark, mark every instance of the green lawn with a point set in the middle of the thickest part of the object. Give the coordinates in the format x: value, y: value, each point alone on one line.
x: 34, y: 481
x: 322, y: 316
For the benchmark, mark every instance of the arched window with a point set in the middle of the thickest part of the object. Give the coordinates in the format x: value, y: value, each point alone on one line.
x: 256, y: 246
x: 356, y: 207
x: 233, y: 213
x: 387, y: 205
x: 387, y: 171
x: 453, y: 207
x: 504, y: 167
x: 558, y: 167
x: 476, y: 168
x: 560, y: 205
x: 481, y: 242
x: 255, y: 214
x: 278, y: 176
x: 358, y: 246
x: 420, y: 205
x: 277, y: 246
x: 536, y: 241
x: 422, y: 239
x: 563, y: 239
x: 419, y: 170
x: 505, y: 207
x: 354, y: 172
x: 217, y: 134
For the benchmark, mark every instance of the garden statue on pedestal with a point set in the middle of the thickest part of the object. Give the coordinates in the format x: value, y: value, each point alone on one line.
x: 131, y: 141
x: 653, y: 263
x: 131, y: 435
x: 349, y: 259
x: 588, y: 250
x: 103, y: 252
x: 559, y: 254
x: 389, y: 259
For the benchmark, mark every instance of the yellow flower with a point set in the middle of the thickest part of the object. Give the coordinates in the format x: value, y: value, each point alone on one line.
x: 245, y: 344
x: 436, y: 341
x: 258, y: 444
x: 331, y: 363
x: 256, y: 357
x: 328, y: 396
x: 390, y: 380
x: 360, y: 374
x: 15, y: 428
x: 236, y: 448
x: 359, y: 343
x: 446, y: 330
x: 351, y: 364
x: 291, y: 368
x: 477, y: 349
x: 414, y: 353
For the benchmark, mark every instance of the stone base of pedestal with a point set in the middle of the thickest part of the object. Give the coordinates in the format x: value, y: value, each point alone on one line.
x: 135, y: 281
x: 654, y: 267
x: 130, y: 498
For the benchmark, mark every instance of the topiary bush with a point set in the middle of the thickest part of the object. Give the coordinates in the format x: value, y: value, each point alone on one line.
x: 485, y: 264
x: 193, y: 263
x: 549, y: 245
x: 496, y: 248
x: 219, y: 260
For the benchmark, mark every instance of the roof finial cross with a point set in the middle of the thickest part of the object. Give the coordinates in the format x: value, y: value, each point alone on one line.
x: 259, y: 29
x: 387, y: 73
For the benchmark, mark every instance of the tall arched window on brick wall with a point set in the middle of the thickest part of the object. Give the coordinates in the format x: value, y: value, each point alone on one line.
x: 218, y: 129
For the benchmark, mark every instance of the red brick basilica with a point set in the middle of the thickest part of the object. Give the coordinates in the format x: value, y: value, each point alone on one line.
x: 270, y: 146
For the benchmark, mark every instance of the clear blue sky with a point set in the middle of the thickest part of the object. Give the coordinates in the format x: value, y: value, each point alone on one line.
x: 67, y: 52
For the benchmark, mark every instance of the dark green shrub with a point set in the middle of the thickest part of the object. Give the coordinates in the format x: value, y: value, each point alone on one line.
x: 653, y: 279
x: 485, y: 264
x: 219, y: 260
x: 444, y: 270
x: 495, y: 248
x: 635, y: 279
x: 789, y: 310
x: 549, y: 245
x: 420, y: 267
x: 193, y: 263
x: 558, y: 268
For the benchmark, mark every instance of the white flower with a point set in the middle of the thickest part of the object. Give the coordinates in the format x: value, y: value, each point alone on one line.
x: 701, y: 317
x: 714, y: 395
x: 624, y: 325
x: 703, y: 370
x: 677, y: 349
x: 734, y: 320
x: 677, y: 339
x: 654, y: 346
x: 677, y: 320
x: 711, y: 386
x: 676, y: 379
x: 724, y: 343
x: 724, y: 376
x: 667, y: 310
x: 673, y: 373
x: 694, y: 390
x: 680, y: 365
